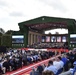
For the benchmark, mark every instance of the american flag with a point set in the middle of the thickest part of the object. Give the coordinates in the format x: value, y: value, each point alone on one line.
x: 47, y: 38
x: 58, y: 39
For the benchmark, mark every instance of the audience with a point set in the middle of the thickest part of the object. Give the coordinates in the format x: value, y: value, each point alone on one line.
x: 71, y: 71
x: 14, y: 59
x: 60, y: 65
x: 46, y: 45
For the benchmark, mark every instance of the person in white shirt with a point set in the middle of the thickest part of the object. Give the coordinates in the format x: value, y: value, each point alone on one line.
x: 51, y: 67
x: 58, y: 63
x: 1, y: 65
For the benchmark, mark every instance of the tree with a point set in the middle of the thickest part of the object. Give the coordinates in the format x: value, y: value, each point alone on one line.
x: 6, y: 40
x: 0, y: 37
x: 9, y: 32
x: 2, y: 31
x: 1, y: 34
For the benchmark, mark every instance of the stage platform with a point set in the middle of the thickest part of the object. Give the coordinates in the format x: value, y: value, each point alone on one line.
x: 46, y: 49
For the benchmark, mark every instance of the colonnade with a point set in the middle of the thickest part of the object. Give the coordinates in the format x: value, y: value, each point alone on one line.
x: 34, y: 37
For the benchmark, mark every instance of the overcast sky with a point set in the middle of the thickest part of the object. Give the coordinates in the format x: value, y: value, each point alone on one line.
x: 14, y: 11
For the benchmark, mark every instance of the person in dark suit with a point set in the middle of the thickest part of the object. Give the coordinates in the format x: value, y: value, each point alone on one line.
x: 6, y: 64
x: 38, y: 71
x: 24, y: 59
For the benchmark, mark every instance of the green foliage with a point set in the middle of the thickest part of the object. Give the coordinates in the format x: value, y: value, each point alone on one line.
x: 0, y: 34
x: 0, y: 38
x: 6, y: 40
x: 9, y: 32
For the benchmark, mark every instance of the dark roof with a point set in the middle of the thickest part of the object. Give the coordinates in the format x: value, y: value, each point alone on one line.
x: 45, y: 23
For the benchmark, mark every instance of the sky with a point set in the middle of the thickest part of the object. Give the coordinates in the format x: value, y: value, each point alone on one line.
x: 13, y: 12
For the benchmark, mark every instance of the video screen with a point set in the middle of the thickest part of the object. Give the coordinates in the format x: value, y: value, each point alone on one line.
x: 17, y: 39
x: 43, y: 38
x: 63, y: 39
x: 72, y: 38
x: 53, y: 39
x: 47, y: 38
x: 59, y: 39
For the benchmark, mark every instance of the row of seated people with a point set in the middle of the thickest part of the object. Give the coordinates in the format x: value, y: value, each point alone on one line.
x: 46, y: 45
x: 65, y: 63
x: 14, y: 59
